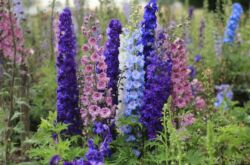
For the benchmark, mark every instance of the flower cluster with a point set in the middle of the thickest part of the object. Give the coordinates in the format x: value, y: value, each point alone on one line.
x: 7, y: 37
x: 157, y: 87
x: 95, y: 154
x: 111, y: 56
x: 96, y: 97
x: 232, y: 23
x: 181, y: 88
x: 67, y: 91
x: 149, y: 25
x: 224, y: 93
x: 134, y: 75
x: 133, y: 85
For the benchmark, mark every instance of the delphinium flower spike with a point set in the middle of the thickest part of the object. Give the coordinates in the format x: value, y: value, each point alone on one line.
x: 96, y: 97
x: 111, y: 56
x: 6, y: 38
x: 157, y: 86
x: 67, y: 91
x: 181, y: 88
x: 149, y: 25
x: 97, y: 107
x: 232, y: 23
x: 132, y: 87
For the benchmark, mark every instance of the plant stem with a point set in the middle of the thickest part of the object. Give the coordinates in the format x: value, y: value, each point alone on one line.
x: 52, y: 31
x: 12, y: 84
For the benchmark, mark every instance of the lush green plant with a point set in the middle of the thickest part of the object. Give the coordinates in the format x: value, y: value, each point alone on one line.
x: 49, y: 141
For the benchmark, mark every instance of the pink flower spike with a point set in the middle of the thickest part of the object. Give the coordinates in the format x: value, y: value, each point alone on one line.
x: 92, y: 41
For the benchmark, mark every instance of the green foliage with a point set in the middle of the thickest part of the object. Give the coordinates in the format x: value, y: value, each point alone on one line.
x: 167, y: 148
x: 44, y: 92
x: 44, y: 146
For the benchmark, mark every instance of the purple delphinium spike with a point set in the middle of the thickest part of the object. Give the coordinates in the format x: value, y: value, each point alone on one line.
x: 149, y: 25
x: 157, y: 88
x: 67, y: 92
x: 111, y: 56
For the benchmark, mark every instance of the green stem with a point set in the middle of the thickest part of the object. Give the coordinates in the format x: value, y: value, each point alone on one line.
x: 52, y: 31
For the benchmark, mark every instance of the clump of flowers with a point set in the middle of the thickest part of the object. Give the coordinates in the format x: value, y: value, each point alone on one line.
x: 111, y: 56
x: 7, y: 37
x: 67, y: 90
x: 157, y: 87
x: 96, y: 97
x: 224, y: 94
x: 232, y: 23
x: 181, y: 88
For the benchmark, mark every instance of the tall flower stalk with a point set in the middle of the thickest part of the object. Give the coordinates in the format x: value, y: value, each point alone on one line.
x: 97, y: 106
x: 96, y: 97
x: 157, y: 87
x: 111, y: 56
x: 148, y: 30
x: 181, y: 88
x: 232, y: 23
x: 67, y: 90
